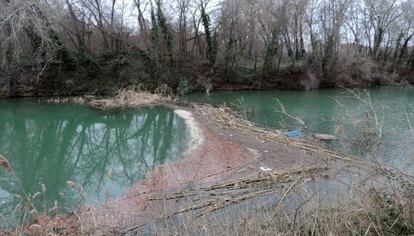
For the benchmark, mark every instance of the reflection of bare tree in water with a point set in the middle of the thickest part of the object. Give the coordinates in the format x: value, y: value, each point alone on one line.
x: 103, y: 152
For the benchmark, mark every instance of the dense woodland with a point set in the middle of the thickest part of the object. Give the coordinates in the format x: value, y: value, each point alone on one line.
x: 69, y: 47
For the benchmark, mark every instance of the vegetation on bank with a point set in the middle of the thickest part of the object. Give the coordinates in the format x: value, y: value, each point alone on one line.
x: 132, y: 97
x: 64, y: 47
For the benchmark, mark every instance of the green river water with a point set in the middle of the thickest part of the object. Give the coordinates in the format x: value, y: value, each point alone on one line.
x: 102, y: 153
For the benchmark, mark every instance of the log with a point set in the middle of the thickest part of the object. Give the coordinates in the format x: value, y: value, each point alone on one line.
x: 326, y: 137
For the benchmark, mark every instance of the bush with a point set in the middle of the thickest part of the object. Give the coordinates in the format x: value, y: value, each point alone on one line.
x: 183, y: 87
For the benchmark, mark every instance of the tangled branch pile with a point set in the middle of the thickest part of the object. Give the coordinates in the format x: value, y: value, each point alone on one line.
x: 227, y: 118
x: 124, y: 99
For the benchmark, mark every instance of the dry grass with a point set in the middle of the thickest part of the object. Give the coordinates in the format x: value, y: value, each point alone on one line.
x: 193, y: 207
x: 124, y: 99
x: 226, y: 117
x: 130, y: 98
x: 71, y: 100
x: 287, y: 203
x: 32, y: 218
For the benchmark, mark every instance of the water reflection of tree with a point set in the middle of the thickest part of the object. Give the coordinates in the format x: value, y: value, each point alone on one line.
x: 51, y: 145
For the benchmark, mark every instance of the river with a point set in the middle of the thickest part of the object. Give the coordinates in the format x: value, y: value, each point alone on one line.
x: 68, y: 154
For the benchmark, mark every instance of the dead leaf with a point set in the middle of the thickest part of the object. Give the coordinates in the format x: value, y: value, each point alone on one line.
x: 338, y: 130
x: 4, y: 163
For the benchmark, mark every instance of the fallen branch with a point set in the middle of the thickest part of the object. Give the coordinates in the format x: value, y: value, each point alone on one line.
x: 284, y: 112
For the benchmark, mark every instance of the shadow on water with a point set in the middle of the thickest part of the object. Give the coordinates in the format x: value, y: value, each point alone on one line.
x: 67, y: 154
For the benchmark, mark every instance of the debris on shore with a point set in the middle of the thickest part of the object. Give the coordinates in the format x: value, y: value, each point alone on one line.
x: 325, y: 137
x: 124, y: 99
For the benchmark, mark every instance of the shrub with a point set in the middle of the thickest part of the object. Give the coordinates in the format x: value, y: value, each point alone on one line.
x: 183, y: 87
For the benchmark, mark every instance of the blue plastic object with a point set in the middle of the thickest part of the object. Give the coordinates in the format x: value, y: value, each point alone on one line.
x: 294, y: 134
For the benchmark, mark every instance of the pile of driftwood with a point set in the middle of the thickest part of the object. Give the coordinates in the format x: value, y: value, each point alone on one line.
x: 215, y: 197
x: 126, y: 98
x: 224, y: 116
x: 205, y: 201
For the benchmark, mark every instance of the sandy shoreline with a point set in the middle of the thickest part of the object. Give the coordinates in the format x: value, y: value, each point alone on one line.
x: 196, y: 135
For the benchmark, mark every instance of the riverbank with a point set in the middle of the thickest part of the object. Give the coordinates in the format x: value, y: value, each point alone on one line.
x: 229, y: 165
x: 195, y: 77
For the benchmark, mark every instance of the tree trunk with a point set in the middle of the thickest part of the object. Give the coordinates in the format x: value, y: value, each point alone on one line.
x: 142, y: 23
x: 404, y: 49
x: 80, y: 39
